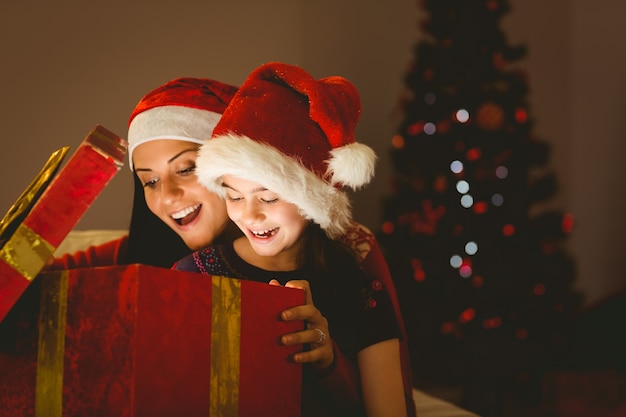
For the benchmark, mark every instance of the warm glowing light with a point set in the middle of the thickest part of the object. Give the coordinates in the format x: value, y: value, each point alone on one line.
x: 473, y: 154
x: 539, y: 289
x: 430, y: 128
x: 462, y: 187
x: 387, y: 228
x: 447, y: 327
x: 492, y: 323
x: 415, y: 128
x: 397, y: 141
x: 456, y: 167
x: 508, y: 230
x: 465, y: 271
x: 419, y: 275
x: 480, y: 207
x: 441, y: 184
x: 567, y: 224
x: 477, y: 281
x: 467, y: 315
x: 520, y: 115
x: 462, y: 115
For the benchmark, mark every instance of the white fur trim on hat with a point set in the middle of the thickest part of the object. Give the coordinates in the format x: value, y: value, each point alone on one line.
x: 254, y: 161
x: 352, y: 165
x: 170, y: 122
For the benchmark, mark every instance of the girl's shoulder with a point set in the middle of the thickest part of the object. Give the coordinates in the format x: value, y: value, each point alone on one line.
x: 209, y: 260
x: 359, y: 239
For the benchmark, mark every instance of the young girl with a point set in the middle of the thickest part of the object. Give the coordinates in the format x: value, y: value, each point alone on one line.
x: 279, y: 155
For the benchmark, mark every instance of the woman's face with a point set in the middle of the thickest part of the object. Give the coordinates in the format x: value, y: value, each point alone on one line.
x: 273, y: 226
x: 166, y: 169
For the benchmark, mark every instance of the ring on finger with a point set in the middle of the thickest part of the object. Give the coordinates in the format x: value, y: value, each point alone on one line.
x: 322, y: 335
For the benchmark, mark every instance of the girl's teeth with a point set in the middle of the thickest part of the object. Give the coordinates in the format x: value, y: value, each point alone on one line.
x: 265, y: 233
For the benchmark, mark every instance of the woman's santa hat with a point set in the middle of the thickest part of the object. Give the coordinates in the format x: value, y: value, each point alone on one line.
x: 181, y: 109
x: 295, y: 136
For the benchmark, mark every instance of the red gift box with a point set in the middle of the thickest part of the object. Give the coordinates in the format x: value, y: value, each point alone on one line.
x: 145, y: 341
x: 46, y: 221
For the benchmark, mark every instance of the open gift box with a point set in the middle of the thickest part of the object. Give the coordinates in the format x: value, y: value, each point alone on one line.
x: 145, y: 341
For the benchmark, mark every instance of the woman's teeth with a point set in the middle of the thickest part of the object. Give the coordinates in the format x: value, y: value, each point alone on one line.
x: 179, y: 216
x: 265, y: 233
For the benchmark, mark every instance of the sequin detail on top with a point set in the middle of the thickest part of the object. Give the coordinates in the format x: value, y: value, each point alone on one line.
x: 360, y: 239
x: 206, y: 261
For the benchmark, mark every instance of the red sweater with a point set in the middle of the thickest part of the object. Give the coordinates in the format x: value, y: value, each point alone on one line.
x: 106, y: 254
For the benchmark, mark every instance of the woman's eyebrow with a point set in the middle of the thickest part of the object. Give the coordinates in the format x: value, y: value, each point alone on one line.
x: 169, y: 161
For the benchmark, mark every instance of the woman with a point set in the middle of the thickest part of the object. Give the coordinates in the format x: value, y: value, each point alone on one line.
x: 172, y: 213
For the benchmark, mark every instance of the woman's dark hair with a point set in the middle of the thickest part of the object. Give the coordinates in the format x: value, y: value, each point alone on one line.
x: 150, y: 241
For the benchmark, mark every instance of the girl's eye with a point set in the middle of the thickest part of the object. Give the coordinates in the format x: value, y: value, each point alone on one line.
x: 269, y: 201
x: 232, y: 198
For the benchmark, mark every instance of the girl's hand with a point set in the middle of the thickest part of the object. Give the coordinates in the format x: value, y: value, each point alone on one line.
x: 317, y: 336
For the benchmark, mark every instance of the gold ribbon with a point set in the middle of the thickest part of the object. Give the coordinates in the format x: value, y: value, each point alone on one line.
x: 51, y: 351
x: 26, y: 252
x: 225, y: 342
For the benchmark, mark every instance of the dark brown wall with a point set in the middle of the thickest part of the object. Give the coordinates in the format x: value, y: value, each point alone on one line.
x: 67, y: 67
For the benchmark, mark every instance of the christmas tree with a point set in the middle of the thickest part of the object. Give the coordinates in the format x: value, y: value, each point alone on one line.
x: 475, y: 250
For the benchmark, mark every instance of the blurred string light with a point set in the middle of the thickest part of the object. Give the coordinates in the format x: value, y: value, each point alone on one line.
x: 456, y: 166
x: 497, y: 200
x: 462, y: 187
x: 462, y: 115
x: 467, y: 201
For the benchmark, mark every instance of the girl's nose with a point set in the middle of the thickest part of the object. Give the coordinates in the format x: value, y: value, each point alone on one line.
x: 251, y: 213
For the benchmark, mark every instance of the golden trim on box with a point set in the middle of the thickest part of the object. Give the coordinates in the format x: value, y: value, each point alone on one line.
x: 225, y: 343
x: 52, y: 318
x: 29, y: 196
x: 26, y: 252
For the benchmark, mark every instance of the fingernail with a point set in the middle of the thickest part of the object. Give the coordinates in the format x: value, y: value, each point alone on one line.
x: 286, y: 314
x: 285, y: 340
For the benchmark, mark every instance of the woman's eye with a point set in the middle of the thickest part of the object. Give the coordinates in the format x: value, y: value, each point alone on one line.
x: 187, y: 171
x: 232, y: 198
x: 150, y: 183
x: 269, y: 200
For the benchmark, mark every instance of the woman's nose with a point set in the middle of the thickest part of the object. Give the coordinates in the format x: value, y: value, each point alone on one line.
x: 170, y: 191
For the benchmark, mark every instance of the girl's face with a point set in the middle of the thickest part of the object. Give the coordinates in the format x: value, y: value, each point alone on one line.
x: 273, y: 226
x: 166, y: 168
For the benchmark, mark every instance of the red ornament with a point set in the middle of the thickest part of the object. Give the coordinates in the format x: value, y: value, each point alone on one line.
x: 490, y: 116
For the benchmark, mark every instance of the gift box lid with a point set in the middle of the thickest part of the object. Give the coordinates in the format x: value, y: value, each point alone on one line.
x: 50, y: 207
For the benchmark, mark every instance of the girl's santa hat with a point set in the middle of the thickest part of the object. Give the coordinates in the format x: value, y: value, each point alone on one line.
x: 181, y: 109
x: 295, y: 136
